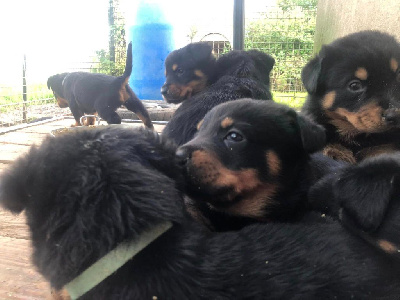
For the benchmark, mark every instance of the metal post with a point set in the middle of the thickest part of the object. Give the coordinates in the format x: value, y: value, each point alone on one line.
x: 111, y: 24
x: 238, y: 25
x: 24, y: 90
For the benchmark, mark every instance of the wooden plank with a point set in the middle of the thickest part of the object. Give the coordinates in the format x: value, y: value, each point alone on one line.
x: 22, y: 138
x: 10, y: 152
x: 18, y: 277
x: 13, y: 225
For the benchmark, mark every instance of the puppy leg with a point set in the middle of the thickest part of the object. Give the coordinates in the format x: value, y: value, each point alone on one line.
x: 76, y: 112
x: 135, y: 105
x: 111, y: 117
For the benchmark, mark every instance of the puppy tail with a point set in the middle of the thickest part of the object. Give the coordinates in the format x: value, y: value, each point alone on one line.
x: 128, y: 63
x: 13, y: 194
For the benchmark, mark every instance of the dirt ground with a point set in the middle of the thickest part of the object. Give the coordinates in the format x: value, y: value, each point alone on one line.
x: 18, y: 277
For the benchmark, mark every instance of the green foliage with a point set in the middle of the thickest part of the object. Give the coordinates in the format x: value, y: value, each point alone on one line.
x: 287, y: 5
x: 104, y: 62
x: 289, y: 38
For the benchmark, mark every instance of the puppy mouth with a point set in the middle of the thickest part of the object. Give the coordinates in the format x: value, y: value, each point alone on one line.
x: 207, y: 177
x: 372, y: 118
x: 176, y: 93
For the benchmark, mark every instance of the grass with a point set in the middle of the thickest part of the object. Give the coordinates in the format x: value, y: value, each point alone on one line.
x: 10, y: 97
x: 294, y: 99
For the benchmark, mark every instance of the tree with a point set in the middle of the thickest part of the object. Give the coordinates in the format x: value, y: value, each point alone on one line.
x: 286, y: 33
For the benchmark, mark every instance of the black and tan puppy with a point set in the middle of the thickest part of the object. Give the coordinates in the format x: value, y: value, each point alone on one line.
x: 250, y: 160
x: 121, y: 195
x: 354, y: 92
x: 188, y: 71
x: 91, y: 93
x: 237, y: 74
x: 362, y: 196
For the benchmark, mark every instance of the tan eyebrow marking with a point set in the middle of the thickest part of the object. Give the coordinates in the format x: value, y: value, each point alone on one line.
x: 174, y: 67
x: 361, y: 73
x: 226, y: 122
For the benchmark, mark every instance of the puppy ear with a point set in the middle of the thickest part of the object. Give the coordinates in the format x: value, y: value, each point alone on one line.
x: 201, y: 51
x: 268, y: 62
x: 310, y: 74
x: 13, y: 195
x: 313, y: 135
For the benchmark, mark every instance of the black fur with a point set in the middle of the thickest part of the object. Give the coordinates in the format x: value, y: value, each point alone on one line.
x: 123, y: 181
x: 188, y: 71
x: 88, y: 93
x: 354, y: 92
x: 253, y: 160
x: 365, y: 198
x: 237, y: 74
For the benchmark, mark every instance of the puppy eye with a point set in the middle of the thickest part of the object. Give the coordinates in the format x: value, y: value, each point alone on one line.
x: 234, y: 136
x: 179, y: 71
x: 356, y: 86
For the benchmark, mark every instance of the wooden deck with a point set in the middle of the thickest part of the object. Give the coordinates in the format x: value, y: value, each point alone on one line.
x: 18, y: 277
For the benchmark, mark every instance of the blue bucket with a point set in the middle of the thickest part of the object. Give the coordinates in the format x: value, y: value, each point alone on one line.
x: 152, y: 41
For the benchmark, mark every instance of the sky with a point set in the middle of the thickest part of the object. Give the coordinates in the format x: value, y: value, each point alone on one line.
x: 53, y: 34
x: 50, y: 33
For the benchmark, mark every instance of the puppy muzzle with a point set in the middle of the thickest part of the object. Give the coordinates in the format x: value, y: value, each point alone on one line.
x: 392, y: 117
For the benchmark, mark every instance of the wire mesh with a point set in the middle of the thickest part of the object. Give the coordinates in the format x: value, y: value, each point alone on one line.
x: 286, y: 33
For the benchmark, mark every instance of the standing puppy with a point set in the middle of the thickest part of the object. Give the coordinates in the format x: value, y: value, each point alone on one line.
x: 90, y: 93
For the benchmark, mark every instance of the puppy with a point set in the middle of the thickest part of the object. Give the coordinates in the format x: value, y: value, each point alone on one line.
x: 188, y: 71
x: 90, y: 93
x: 238, y: 74
x: 354, y: 92
x: 250, y: 161
x: 121, y: 198
x: 362, y: 196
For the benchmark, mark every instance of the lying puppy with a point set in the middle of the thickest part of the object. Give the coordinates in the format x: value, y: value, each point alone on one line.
x: 354, y: 92
x: 250, y: 161
x: 188, y: 71
x: 117, y: 210
x: 237, y: 74
x: 90, y: 93
x: 362, y: 196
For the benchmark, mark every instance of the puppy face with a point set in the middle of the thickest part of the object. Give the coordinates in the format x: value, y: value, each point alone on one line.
x: 55, y: 84
x: 244, y: 154
x: 187, y: 71
x: 354, y: 84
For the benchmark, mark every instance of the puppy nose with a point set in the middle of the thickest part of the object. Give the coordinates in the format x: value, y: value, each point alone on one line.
x: 182, y: 155
x: 392, y: 116
x: 164, y: 89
